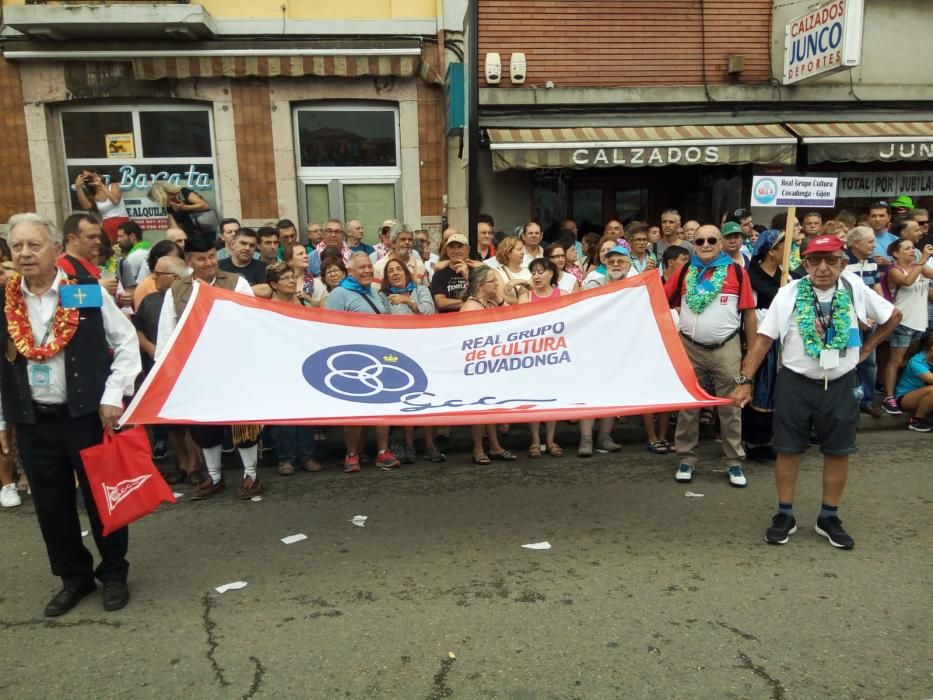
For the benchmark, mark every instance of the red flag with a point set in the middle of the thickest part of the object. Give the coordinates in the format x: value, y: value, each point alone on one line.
x: 125, y: 482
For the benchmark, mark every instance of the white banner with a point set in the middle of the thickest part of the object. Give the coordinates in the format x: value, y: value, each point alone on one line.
x: 793, y: 190
x: 605, y: 352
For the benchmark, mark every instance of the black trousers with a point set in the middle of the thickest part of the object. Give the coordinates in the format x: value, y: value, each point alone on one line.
x: 49, y: 450
x: 206, y: 436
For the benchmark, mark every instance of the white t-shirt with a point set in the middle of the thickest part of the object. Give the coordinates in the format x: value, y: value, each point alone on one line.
x: 566, y: 282
x: 506, y: 275
x: 912, y: 301
x: 780, y: 324
x: 526, y: 261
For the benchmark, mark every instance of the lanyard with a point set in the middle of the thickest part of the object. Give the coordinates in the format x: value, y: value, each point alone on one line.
x: 826, y: 322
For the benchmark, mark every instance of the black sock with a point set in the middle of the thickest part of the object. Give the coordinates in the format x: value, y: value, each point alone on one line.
x: 786, y: 508
x: 829, y: 511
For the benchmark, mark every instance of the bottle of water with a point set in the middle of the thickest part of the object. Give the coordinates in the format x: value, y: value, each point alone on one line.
x: 858, y: 393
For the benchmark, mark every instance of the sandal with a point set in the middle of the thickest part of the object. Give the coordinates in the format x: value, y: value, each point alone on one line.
x: 286, y: 469
x: 481, y: 460
x: 555, y: 450
x: 312, y: 466
x: 534, y: 451
x: 504, y: 456
x: 657, y: 447
x: 669, y: 446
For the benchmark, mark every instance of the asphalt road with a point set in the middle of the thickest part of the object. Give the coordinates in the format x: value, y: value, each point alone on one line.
x: 645, y: 593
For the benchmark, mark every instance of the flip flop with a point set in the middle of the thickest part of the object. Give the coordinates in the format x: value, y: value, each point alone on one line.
x: 504, y: 456
x: 482, y: 460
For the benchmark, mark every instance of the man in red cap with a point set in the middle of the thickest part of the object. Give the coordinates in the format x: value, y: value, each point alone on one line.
x: 816, y: 320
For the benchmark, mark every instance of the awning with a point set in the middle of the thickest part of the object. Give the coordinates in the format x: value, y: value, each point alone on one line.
x: 339, y: 66
x: 339, y: 58
x: 865, y: 142
x: 607, y: 147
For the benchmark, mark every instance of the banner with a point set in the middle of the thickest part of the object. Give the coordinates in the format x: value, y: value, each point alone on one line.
x: 605, y: 352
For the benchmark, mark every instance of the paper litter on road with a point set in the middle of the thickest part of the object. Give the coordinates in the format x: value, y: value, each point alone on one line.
x: 359, y: 520
x: 84, y: 533
x: 177, y: 494
x: 691, y: 494
x: 451, y: 655
x: 256, y: 499
x: 291, y: 539
x: 235, y: 586
x: 537, y: 545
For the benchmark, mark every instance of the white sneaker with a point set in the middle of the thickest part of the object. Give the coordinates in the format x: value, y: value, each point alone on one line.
x: 684, y: 474
x: 9, y: 496
x: 737, y: 477
x: 604, y: 444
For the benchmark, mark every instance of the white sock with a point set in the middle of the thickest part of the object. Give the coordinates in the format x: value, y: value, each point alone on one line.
x: 212, y: 458
x: 250, y: 458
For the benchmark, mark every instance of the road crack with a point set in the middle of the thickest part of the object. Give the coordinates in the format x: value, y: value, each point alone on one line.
x: 212, y: 643
x: 777, y: 688
x: 258, y: 674
x: 53, y: 624
x: 441, y: 689
x: 736, y: 630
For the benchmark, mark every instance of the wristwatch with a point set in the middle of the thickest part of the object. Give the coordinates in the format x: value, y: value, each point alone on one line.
x: 741, y: 379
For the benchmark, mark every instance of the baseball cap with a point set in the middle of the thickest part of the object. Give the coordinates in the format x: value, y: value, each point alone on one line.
x: 737, y: 215
x: 619, y: 250
x: 902, y: 201
x: 823, y: 244
x: 457, y: 238
x: 730, y: 228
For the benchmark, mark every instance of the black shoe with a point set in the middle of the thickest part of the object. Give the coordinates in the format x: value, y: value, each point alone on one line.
x: 831, y: 529
x: 159, y: 450
x: 67, y: 598
x: 782, y: 527
x: 116, y: 595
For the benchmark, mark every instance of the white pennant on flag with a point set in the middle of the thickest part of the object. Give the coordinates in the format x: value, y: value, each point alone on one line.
x: 605, y: 352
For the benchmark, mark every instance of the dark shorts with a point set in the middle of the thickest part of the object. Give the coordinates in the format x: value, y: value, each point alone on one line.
x: 801, y: 403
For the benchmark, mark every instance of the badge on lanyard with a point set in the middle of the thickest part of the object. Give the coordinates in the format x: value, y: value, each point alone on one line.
x: 40, y: 375
x: 829, y: 358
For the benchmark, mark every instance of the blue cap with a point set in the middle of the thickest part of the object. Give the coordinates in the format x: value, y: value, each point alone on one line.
x: 619, y: 250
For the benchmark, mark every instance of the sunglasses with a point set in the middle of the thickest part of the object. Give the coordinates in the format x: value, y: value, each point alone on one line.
x: 705, y: 241
x: 923, y: 223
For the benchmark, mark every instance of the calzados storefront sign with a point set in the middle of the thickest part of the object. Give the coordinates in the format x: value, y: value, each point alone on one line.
x: 670, y: 155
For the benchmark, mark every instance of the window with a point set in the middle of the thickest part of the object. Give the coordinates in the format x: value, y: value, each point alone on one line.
x: 349, y: 163
x: 134, y: 146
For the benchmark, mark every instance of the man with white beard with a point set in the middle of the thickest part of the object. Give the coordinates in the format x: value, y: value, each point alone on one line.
x: 618, y: 266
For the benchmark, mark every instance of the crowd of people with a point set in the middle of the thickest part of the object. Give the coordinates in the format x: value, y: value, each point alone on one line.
x: 799, y: 361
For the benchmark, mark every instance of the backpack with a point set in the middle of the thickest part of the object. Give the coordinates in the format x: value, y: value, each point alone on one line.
x: 886, y: 291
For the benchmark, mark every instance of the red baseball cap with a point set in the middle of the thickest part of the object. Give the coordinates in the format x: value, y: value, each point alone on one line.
x: 823, y: 244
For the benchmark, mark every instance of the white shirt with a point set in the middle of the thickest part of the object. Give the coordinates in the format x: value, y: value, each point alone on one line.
x: 565, y: 282
x: 779, y: 324
x: 168, y: 319
x: 913, y: 302
x: 119, y: 333
x: 529, y: 256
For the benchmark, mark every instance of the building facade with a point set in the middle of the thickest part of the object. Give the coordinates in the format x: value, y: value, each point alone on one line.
x: 268, y: 110
x: 629, y: 108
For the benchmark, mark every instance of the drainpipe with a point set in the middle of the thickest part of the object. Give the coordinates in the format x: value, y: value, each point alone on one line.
x: 473, y: 126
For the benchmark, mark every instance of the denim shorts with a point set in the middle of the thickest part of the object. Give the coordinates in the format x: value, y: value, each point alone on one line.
x: 902, y: 337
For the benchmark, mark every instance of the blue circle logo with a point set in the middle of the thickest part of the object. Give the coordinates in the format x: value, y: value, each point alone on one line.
x: 364, y: 373
x: 765, y: 191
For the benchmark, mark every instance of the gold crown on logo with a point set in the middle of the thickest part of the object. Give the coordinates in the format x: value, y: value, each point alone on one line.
x: 390, y: 357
